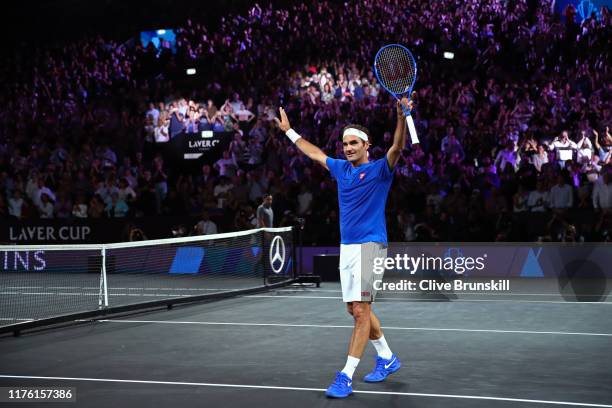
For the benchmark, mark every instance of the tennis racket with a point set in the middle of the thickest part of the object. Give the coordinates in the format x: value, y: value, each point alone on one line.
x: 396, y: 70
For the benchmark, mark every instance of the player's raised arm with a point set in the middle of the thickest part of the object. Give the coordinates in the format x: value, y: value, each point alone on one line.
x: 399, y: 137
x: 304, y: 145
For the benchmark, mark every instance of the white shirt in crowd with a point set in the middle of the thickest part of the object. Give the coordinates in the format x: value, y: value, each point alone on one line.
x: 206, y: 227
x: 304, y: 202
x: 154, y: 113
x: 149, y: 133
x: 224, y: 166
x: 126, y: 194
x: 506, y: 156
x: 585, y: 150
x: 14, y: 206
x: 560, y: 144
x: 602, y: 194
x: 538, y: 200
x: 255, y: 190
x: 79, y: 210
x: 32, y: 189
x: 46, y: 209
x: 561, y: 196
x: 105, y: 192
x: 161, y: 134
x: 236, y: 105
x: 560, y: 147
x: 244, y: 114
x: 222, y: 189
x: 539, y: 160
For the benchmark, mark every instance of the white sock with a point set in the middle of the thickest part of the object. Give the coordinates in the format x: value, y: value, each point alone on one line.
x: 382, y: 348
x: 351, y: 365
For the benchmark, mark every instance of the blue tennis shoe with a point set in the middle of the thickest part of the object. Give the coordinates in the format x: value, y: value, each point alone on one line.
x: 342, y: 386
x: 383, y: 369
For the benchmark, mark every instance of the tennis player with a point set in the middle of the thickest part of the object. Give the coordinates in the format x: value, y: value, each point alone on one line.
x: 363, y: 186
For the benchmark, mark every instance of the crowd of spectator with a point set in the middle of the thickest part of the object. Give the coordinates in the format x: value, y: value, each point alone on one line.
x: 515, y: 131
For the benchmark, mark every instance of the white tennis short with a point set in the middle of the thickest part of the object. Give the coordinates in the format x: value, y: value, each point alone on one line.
x: 356, y: 270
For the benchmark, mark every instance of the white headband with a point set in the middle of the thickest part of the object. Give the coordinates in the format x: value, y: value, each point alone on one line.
x: 355, y: 132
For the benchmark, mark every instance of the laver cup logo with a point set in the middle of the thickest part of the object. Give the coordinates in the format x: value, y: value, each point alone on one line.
x: 277, y: 254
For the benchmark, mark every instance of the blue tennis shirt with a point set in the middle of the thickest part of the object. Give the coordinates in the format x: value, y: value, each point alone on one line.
x: 362, y: 196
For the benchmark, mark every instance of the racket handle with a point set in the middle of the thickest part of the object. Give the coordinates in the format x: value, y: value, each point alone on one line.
x: 413, y: 134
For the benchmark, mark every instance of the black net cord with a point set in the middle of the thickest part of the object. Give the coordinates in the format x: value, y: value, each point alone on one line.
x: 296, y: 240
x: 263, y: 255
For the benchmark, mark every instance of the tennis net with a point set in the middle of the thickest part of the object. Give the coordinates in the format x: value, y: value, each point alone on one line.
x: 47, y: 282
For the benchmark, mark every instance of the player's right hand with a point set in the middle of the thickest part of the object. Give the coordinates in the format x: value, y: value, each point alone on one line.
x: 283, y: 124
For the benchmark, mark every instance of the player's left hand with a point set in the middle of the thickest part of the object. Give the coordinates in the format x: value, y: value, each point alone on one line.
x: 406, y: 103
x: 283, y: 124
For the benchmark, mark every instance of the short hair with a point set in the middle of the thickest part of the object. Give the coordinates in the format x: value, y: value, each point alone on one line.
x: 266, y: 196
x: 358, y: 127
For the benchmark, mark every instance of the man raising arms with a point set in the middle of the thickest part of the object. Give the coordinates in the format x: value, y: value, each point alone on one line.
x: 363, y: 187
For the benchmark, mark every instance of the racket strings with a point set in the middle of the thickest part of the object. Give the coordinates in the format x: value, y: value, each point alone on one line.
x: 397, y: 69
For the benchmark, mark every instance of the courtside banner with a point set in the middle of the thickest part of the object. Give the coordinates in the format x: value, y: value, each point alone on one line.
x: 497, y: 260
x: 481, y: 271
x: 204, y: 146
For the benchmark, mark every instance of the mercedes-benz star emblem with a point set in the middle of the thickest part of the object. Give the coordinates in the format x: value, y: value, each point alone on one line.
x: 277, y: 254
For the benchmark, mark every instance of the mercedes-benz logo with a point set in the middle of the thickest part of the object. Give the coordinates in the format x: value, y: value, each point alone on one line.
x: 277, y: 254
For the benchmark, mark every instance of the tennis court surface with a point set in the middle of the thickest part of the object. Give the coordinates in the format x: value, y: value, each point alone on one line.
x: 531, y: 348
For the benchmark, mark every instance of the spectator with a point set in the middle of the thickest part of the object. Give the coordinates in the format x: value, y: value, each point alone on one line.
x: 79, y: 209
x: 304, y: 201
x: 602, y: 192
x: 126, y: 192
x: 96, y: 207
x: 561, y: 195
x: 563, y: 148
x: 539, y: 158
x: 161, y: 130
x: 265, y: 214
x: 15, y: 204
x: 222, y: 191
x: 45, y: 206
x: 116, y: 208
x: 205, y: 226
x: 153, y: 113
x: 584, y: 148
x: 176, y: 124
x: 539, y: 199
x: 507, y: 156
x: 226, y: 166
x: 520, y: 200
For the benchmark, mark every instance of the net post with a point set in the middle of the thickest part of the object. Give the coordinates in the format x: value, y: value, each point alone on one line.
x: 104, y: 282
x: 297, y: 240
x: 263, y: 256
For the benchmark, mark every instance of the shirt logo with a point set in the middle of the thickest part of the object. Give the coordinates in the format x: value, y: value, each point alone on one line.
x: 365, y: 293
x: 361, y: 176
x: 389, y: 365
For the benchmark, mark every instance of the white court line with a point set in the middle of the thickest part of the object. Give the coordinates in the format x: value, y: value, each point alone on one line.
x: 96, y: 294
x: 271, y: 387
x: 113, y: 288
x: 350, y: 327
x: 429, y: 300
x: 435, y: 293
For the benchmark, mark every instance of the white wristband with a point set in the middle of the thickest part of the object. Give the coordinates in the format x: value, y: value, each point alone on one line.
x: 292, y: 135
